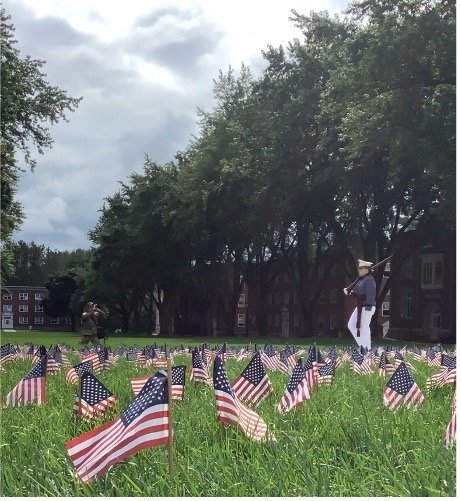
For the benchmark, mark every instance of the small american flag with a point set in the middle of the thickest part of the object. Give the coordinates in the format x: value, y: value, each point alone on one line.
x: 143, y: 424
x: 199, y: 372
x: 359, y: 364
x: 253, y: 384
x: 385, y: 367
x: 95, y: 399
x: 72, y: 374
x: 433, y: 358
x: 309, y: 369
x: 39, y: 354
x: 298, y: 389
x: 231, y: 410
x: 178, y: 377
x: 446, y: 376
x: 30, y: 389
x: 326, y: 374
x: 450, y: 432
x: 222, y: 353
x: 6, y: 354
x: 269, y: 358
x: 402, y: 389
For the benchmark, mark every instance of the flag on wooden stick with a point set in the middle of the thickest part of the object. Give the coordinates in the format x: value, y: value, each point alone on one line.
x: 402, y: 389
x: 144, y: 423
x: 31, y: 389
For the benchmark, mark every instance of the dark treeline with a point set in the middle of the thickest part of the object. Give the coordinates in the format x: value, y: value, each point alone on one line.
x: 346, y: 141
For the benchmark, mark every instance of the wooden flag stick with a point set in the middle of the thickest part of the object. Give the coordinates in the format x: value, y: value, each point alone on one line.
x: 170, y: 416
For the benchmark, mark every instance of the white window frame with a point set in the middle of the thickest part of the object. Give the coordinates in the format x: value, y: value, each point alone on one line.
x: 7, y: 297
x: 387, y: 270
x: 23, y: 320
x: 24, y: 308
x: 241, y: 321
x: 39, y: 321
x: 7, y: 308
x: 23, y: 296
x: 38, y: 308
x: 242, y: 300
x: 385, y: 307
x: 428, y: 268
x: 54, y: 320
x: 39, y: 296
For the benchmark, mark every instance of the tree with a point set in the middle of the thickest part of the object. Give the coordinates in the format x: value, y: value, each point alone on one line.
x: 28, y: 103
x: 60, y: 289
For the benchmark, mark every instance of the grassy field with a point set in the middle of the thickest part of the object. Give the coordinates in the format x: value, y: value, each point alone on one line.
x: 342, y: 442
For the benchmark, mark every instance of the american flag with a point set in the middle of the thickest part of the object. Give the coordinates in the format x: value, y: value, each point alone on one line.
x: 417, y: 354
x: 402, y: 389
x: 141, y: 358
x: 178, y: 377
x: 446, y: 376
x: 143, y: 424
x: 450, y: 432
x: 52, y: 367
x: 72, y: 374
x: 222, y: 353
x: 199, y: 372
x: 60, y: 357
x: 98, y: 360
x: 253, y: 384
x: 385, y: 367
x: 399, y: 358
x: 39, y: 354
x: 309, y: 369
x: 326, y: 373
x: 447, y: 362
x: 31, y: 388
x: 283, y: 364
x: 6, y: 354
x: 28, y: 352
x: 269, y: 358
x: 359, y: 364
x: 297, y: 390
x: 231, y: 410
x: 433, y: 358
x: 94, y: 399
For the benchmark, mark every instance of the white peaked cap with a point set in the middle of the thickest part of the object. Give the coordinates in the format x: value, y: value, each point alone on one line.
x: 365, y: 263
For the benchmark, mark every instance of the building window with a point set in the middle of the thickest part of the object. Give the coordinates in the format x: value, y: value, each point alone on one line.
x: 333, y: 295
x: 277, y: 298
x: 387, y: 270
x: 334, y: 271
x: 323, y: 297
x: 23, y: 296
x: 7, y: 307
x: 276, y: 320
x: 295, y: 297
x: 296, y: 320
x: 269, y: 298
x: 24, y: 307
x: 68, y: 321
x: 435, y: 320
x: 321, y: 271
x: 333, y: 321
x: 23, y: 320
x: 269, y: 320
x: 241, y: 300
x: 54, y: 320
x: 407, y: 304
x: 277, y: 279
x: 286, y: 297
x: 241, y: 320
x: 39, y: 320
x: 385, y: 309
x: 38, y: 308
x: 287, y: 277
x: 320, y: 321
x: 432, y: 271
x: 7, y: 297
x: 407, y: 268
x: 39, y: 296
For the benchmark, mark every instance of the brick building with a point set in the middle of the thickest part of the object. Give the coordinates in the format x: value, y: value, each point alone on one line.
x: 21, y: 310
x: 423, y: 293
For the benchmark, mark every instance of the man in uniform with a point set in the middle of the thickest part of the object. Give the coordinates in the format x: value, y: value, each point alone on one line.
x: 365, y: 293
x: 90, y: 321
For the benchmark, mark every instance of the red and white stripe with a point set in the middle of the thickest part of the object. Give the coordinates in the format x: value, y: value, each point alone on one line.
x: 86, y: 411
x: 26, y: 392
x: 137, y: 383
x: 245, y: 390
x: 94, y: 452
x: 394, y: 399
x: 289, y: 400
x: 232, y: 411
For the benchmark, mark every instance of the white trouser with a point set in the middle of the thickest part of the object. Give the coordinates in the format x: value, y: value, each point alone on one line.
x: 365, y: 334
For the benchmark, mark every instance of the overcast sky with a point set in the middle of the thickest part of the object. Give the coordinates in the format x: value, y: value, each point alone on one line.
x: 143, y: 68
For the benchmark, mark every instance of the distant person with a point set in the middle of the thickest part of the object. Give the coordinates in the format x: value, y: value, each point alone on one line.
x: 365, y: 292
x: 90, y: 320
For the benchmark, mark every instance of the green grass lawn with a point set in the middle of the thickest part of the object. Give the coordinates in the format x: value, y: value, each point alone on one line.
x: 342, y: 442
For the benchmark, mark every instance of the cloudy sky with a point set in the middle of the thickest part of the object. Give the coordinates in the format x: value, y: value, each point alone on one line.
x: 143, y: 68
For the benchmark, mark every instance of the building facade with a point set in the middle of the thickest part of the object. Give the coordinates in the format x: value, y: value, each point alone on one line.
x: 21, y: 310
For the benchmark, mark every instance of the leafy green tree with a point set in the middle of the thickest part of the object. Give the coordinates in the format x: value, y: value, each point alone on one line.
x: 28, y: 103
x: 60, y: 289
